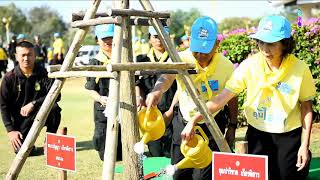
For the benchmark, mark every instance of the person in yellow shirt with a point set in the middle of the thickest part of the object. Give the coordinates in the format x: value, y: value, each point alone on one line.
x: 213, y: 72
x: 3, y: 60
x: 49, y: 55
x: 278, y: 106
x: 58, y: 49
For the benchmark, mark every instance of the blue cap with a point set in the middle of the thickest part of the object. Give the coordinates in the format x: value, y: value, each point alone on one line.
x: 204, y: 32
x: 104, y: 30
x: 153, y: 31
x: 21, y: 36
x: 56, y: 34
x: 272, y: 29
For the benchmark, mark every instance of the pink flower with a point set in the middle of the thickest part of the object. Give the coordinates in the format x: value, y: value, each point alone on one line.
x: 235, y: 65
x: 225, y: 52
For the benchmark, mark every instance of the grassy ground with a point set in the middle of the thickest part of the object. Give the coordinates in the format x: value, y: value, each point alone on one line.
x: 77, y: 115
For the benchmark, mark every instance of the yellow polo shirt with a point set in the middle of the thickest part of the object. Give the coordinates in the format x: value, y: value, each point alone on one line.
x: 215, y: 74
x: 275, y: 109
x: 58, y: 46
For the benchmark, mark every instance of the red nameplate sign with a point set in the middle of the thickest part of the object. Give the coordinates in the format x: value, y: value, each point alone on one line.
x: 61, y: 152
x: 227, y: 166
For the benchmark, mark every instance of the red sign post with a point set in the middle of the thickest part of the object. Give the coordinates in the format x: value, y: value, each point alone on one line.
x: 61, y: 152
x: 226, y: 166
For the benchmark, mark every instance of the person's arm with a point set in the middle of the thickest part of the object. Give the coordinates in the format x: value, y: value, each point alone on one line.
x: 162, y: 85
x: 303, y: 153
x: 232, y: 126
x: 213, y: 106
x: 5, y: 110
x: 97, y: 97
x: 168, y: 115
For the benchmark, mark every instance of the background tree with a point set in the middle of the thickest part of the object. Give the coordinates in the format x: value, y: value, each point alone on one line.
x: 19, y: 23
x: 180, y: 19
x: 45, y: 22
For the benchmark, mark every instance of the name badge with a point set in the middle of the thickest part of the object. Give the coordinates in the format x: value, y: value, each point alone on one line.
x: 214, y: 86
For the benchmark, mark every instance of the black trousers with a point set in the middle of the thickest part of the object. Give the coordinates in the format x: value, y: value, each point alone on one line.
x: 176, y: 155
x: 52, y: 122
x: 99, y: 136
x: 281, y: 149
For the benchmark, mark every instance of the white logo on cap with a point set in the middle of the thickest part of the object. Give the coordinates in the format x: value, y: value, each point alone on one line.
x: 203, y: 34
x: 268, y: 26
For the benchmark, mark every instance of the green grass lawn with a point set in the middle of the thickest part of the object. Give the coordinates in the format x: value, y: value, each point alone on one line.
x: 77, y: 115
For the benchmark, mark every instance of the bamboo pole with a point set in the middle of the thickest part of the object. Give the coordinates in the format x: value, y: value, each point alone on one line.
x: 99, y: 74
x: 133, y: 170
x: 210, y: 122
x: 97, y: 21
x: 133, y: 12
x: 50, y: 99
x: 128, y: 67
x: 112, y: 130
x: 79, y: 74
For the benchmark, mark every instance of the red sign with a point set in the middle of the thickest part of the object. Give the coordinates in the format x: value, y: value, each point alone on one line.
x: 61, y: 152
x: 226, y: 166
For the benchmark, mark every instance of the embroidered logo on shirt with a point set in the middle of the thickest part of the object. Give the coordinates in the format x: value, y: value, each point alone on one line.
x: 19, y: 88
x: 214, y: 86
x: 284, y: 88
x: 37, y: 86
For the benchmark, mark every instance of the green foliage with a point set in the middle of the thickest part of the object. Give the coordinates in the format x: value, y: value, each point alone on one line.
x: 236, y: 47
x: 19, y: 23
x: 180, y: 19
x: 307, y: 48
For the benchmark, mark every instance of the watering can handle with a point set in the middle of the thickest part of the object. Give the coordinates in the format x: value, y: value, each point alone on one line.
x: 146, y: 117
x: 205, y: 137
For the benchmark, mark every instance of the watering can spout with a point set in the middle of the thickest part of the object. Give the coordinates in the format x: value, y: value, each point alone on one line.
x: 146, y: 138
x: 185, y: 163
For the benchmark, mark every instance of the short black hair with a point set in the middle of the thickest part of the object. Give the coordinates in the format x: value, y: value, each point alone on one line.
x: 289, y: 45
x: 25, y: 44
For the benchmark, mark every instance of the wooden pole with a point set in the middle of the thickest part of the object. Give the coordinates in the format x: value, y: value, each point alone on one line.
x: 241, y: 147
x: 63, y: 173
x: 97, y: 21
x: 50, y: 99
x: 112, y: 130
x: 78, y: 74
x: 128, y: 67
x: 145, y: 22
x: 133, y: 12
x: 133, y: 170
x: 210, y: 122
x: 149, y: 66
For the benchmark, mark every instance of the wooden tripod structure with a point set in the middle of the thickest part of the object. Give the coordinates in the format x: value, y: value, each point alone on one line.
x: 119, y: 98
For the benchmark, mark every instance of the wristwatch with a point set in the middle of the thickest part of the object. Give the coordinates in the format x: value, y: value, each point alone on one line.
x: 233, y: 125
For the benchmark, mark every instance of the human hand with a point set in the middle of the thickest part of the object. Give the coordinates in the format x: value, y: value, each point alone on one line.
x: 103, y: 100
x: 153, y: 98
x: 303, y: 157
x: 140, y: 103
x: 230, y: 135
x: 27, y: 109
x: 188, y: 131
x: 15, y: 139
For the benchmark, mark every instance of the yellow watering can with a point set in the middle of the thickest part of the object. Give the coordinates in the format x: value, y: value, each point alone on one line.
x: 152, y: 126
x: 196, y: 152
